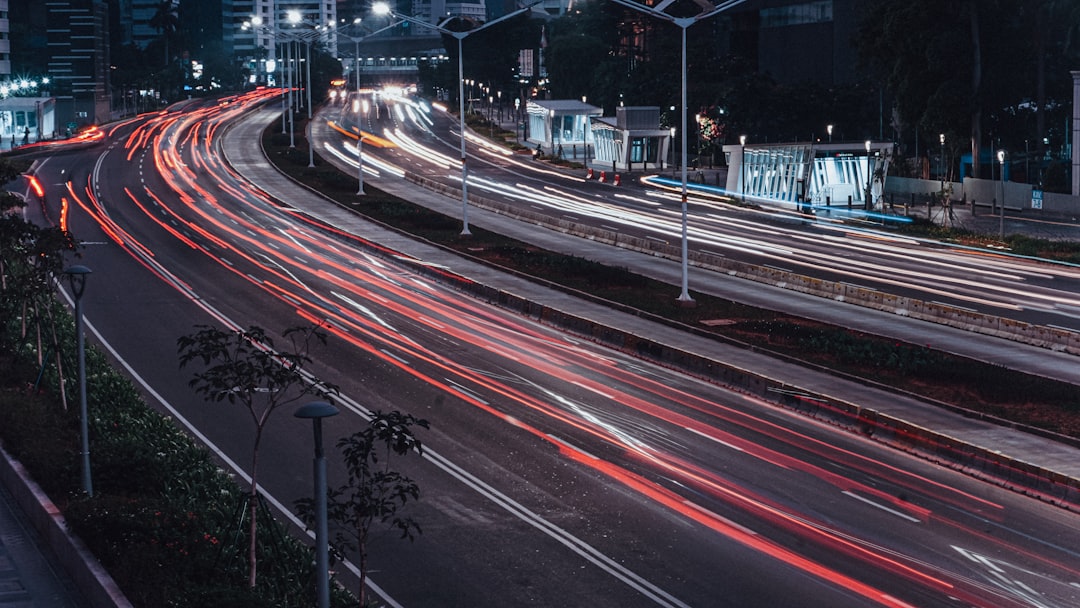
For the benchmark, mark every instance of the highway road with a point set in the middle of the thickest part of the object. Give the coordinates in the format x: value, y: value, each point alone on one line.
x: 407, y: 134
x: 556, y: 471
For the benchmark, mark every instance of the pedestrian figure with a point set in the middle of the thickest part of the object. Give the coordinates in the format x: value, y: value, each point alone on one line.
x: 26, y: 136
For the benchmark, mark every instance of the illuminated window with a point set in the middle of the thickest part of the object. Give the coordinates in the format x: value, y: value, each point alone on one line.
x: 797, y: 14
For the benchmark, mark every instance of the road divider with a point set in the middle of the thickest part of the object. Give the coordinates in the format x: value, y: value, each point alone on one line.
x: 1053, y: 338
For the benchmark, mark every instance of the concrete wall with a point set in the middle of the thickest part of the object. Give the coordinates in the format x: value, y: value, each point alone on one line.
x: 984, y: 193
x: 97, y: 588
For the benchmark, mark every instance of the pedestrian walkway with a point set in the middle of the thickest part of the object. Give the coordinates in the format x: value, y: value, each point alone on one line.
x: 30, y: 575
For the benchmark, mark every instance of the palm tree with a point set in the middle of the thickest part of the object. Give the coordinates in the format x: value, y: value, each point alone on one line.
x: 165, y: 22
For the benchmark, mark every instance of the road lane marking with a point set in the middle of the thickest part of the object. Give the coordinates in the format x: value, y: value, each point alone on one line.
x: 882, y: 507
x: 720, y: 441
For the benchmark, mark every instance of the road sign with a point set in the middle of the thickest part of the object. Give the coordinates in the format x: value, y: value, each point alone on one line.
x: 1036, y: 199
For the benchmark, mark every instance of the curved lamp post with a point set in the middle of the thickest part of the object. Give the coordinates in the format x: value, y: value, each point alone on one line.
x: 77, y: 276
x: 296, y: 18
x: 358, y: 104
x: 682, y: 23
x: 381, y: 8
x: 316, y: 411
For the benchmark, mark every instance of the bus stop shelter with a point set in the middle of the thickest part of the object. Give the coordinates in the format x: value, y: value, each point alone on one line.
x: 833, y: 174
x: 561, y: 126
x: 27, y: 119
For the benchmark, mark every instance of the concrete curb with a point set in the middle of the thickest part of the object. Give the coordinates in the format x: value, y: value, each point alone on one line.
x: 1052, y: 338
x: 93, y: 582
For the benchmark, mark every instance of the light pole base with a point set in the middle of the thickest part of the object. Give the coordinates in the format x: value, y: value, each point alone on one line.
x: 685, y: 301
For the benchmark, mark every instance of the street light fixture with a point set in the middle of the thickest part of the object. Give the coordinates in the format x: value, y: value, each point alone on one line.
x: 296, y: 18
x: 742, y: 166
x: 829, y: 129
x: 868, y: 202
x: 682, y: 23
x: 358, y: 39
x: 77, y: 276
x: 316, y: 411
x: 1001, y: 156
x: 941, y: 161
x: 359, y: 104
x: 256, y: 24
x: 381, y: 8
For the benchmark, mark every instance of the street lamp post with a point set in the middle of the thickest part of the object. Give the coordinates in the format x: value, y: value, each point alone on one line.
x: 357, y: 106
x: 829, y: 129
x: 256, y: 25
x: 291, y: 83
x: 742, y: 167
x: 867, y: 202
x: 1001, y: 156
x: 682, y: 23
x: 384, y: 9
x: 941, y: 160
x: 585, y: 129
x: 77, y: 276
x: 296, y: 18
x: 316, y: 411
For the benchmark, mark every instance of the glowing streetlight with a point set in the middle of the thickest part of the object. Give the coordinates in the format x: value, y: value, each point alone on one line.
x: 682, y: 23
x: 1001, y: 156
x: 742, y: 166
x: 941, y: 161
x: 382, y: 8
x: 868, y: 203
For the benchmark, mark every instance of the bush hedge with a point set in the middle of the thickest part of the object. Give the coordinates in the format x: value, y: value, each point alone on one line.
x: 163, y: 520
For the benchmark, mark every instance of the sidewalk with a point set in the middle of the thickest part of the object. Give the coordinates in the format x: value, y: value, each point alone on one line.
x: 30, y: 574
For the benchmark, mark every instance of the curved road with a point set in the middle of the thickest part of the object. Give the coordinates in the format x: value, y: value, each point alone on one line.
x: 556, y: 471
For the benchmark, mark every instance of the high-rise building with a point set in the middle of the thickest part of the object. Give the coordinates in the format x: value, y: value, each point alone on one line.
x: 5, y: 41
x: 140, y: 14
x: 434, y: 11
x: 78, y: 59
x: 798, y: 40
x: 258, y: 28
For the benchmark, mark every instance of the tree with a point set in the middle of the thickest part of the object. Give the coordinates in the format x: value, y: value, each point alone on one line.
x: 165, y: 22
x: 244, y: 367
x: 374, y: 492
x: 30, y: 258
x: 963, y: 67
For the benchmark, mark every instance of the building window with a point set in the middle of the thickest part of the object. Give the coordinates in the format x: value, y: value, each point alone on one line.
x: 797, y: 14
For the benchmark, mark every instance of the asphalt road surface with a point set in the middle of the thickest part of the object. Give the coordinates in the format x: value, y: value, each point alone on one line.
x: 556, y: 471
